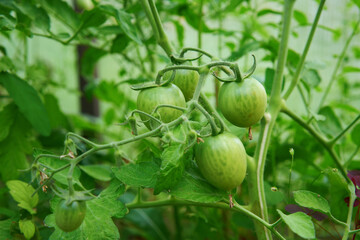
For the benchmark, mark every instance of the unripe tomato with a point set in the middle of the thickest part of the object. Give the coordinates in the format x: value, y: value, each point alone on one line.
x: 243, y: 103
x: 148, y: 99
x: 69, y: 217
x: 222, y: 160
x: 186, y: 80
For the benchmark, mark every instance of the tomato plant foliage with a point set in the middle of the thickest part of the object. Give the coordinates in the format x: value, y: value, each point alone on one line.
x: 151, y: 120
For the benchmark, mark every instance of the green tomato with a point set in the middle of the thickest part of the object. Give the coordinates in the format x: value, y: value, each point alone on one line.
x: 148, y: 99
x: 222, y: 160
x: 69, y: 217
x: 243, y: 103
x: 186, y: 80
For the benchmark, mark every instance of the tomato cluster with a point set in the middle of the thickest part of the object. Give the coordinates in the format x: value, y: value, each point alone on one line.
x: 221, y: 158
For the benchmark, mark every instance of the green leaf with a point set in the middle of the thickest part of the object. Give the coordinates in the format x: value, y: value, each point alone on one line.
x: 28, y: 101
x: 351, y: 69
x: 300, y: 17
x: 273, y: 197
x: 27, y: 227
x: 312, y: 200
x: 311, y: 77
x: 109, y: 91
x: 357, y: 3
x: 62, y: 11
x: 355, y: 135
x: 142, y: 174
x: 119, y: 43
x: 6, y: 64
x: 38, y: 15
x: 90, y: 58
x: 299, y: 223
x: 338, y: 191
x: 99, y: 172
x: 93, y: 18
x: 7, y: 23
x: 98, y: 223
x: 180, y: 32
x: 193, y: 187
x: 5, y: 228
x: 268, y: 11
x: 56, y: 116
x: 15, y: 146
x: 21, y: 192
x: 6, y: 120
x: 244, y: 49
x: 331, y: 124
x: 269, y: 79
x: 172, y: 168
x: 124, y: 21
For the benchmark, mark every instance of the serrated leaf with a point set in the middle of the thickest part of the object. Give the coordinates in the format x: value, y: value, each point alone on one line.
x: 193, y: 187
x: 92, y: 18
x: 124, y: 21
x: 28, y: 101
x: 37, y: 14
x: 355, y: 135
x: 21, y: 192
x: 27, y: 227
x: 142, y: 174
x: 98, y: 223
x: 311, y: 200
x: 15, y: 146
x: 7, y: 23
x: 99, y: 172
x: 171, y: 169
x: 299, y: 223
x: 62, y: 11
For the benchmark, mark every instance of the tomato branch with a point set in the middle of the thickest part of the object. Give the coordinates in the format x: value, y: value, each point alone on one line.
x: 222, y: 205
x: 319, y: 138
x: 300, y: 65
x: 337, y: 137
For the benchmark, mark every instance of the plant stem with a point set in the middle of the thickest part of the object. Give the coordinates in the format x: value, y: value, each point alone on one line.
x: 200, y: 27
x: 178, y: 228
x: 300, y: 65
x: 208, y: 117
x: 200, y: 84
x: 336, y: 138
x: 222, y: 205
x: 340, y: 60
x: 155, y: 21
x: 269, y: 119
x: 351, y: 206
x: 209, y: 108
